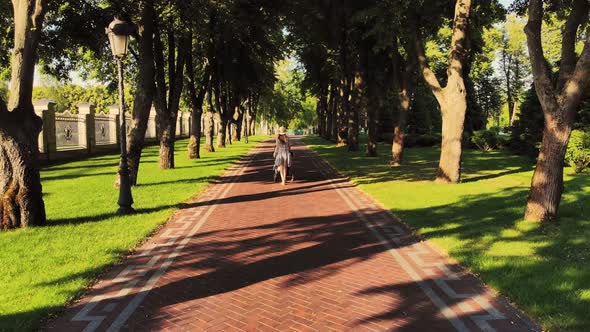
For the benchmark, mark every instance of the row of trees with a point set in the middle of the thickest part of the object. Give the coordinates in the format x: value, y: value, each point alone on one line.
x: 219, y: 56
x: 377, y: 49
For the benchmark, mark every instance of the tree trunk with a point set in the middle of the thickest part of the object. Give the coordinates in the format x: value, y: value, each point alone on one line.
x: 453, y: 119
x: 145, y: 92
x: 221, y: 132
x: 167, y: 112
x: 247, y: 126
x: 209, y: 132
x: 547, y: 183
x: 21, y: 200
x: 335, y: 104
x: 237, y: 126
x: 353, y: 115
x: 228, y: 132
x: 372, y: 127
x: 319, y: 112
x: 452, y: 99
x: 330, y: 112
x: 167, y: 147
x: 21, y: 196
x: 513, y: 113
x: 399, y: 129
x: 194, y: 144
x: 559, y: 99
x: 343, y: 114
x: 407, y: 85
x: 196, y: 102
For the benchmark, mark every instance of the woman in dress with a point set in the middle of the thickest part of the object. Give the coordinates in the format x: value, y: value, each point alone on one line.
x: 282, y: 155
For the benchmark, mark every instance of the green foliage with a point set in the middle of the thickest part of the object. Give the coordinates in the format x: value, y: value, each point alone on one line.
x: 421, y: 140
x: 578, y: 150
x: 43, y: 268
x: 68, y: 96
x: 545, y: 272
x: 6, y: 38
x: 527, y: 130
x: 287, y: 104
x: 425, y: 116
x: 485, y: 140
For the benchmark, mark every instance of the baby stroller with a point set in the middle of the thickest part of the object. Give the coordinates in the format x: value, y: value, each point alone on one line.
x: 276, y: 174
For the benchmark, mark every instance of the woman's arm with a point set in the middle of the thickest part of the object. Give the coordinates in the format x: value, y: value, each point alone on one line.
x: 274, y: 154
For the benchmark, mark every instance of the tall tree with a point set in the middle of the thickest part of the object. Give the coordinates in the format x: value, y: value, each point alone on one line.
x: 21, y: 200
x: 404, y: 79
x: 168, y: 91
x: 196, y: 98
x: 145, y: 91
x: 452, y: 98
x: 559, y: 98
x: 513, y: 62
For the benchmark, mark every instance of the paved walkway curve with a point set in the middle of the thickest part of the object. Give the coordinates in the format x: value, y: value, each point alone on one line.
x: 315, y: 255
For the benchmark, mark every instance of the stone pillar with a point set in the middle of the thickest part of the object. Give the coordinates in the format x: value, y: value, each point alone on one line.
x: 87, y: 132
x: 178, y: 124
x: 151, y: 127
x: 115, y: 114
x: 185, y: 120
x: 45, y: 109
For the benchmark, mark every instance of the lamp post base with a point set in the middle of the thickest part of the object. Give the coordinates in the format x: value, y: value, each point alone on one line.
x: 124, y: 210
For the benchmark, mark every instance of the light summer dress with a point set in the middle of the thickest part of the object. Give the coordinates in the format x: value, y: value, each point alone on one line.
x: 281, y: 153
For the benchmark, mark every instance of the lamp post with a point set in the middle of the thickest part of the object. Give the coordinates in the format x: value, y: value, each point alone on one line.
x: 119, y: 32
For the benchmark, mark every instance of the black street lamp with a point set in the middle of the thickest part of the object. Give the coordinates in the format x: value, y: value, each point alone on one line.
x: 119, y: 32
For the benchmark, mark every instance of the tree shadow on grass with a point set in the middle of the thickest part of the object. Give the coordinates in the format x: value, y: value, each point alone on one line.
x: 420, y: 164
x: 47, y: 178
x: 543, y: 269
x: 105, y: 216
x: 202, y: 179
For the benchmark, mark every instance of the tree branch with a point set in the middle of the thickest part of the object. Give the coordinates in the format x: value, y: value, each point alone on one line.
x: 578, y: 82
x: 540, y: 67
x: 428, y: 74
x: 458, y: 52
x: 578, y: 15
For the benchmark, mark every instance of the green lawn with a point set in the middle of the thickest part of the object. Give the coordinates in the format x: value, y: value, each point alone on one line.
x: 545, y: 271
x: 43, y: 268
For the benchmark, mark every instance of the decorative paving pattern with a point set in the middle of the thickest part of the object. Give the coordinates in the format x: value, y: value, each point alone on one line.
x: 315, y: 255
x: 459, y: 296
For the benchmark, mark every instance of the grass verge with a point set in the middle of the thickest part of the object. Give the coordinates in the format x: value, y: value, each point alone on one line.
x: 43, y: 268
x: 545, y: 271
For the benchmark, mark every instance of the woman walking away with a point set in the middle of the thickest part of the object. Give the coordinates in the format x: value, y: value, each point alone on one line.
x: 282, y: 155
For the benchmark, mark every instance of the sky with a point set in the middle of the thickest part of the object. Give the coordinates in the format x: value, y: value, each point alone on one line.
x: 506, y: 3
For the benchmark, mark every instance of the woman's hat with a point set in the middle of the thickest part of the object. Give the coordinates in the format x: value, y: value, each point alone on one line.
x: 282, y: 131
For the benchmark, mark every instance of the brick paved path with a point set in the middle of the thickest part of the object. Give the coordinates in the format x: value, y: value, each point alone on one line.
x: 315, y: 255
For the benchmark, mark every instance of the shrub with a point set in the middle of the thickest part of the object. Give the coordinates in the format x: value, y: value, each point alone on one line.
x: 410, y: 140
x: 485, y: 140
x: 416, y: 140
x: 578, y: 150
x: 428, y: 140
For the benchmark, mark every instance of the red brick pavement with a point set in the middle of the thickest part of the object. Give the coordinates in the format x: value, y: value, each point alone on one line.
x: 315, y: 255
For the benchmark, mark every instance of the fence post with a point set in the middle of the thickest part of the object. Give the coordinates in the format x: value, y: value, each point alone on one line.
x: 151, y: 128
x: 114, y: 112
x: 45, y: 109
x: 186, y: 124
x: 87, y: 132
